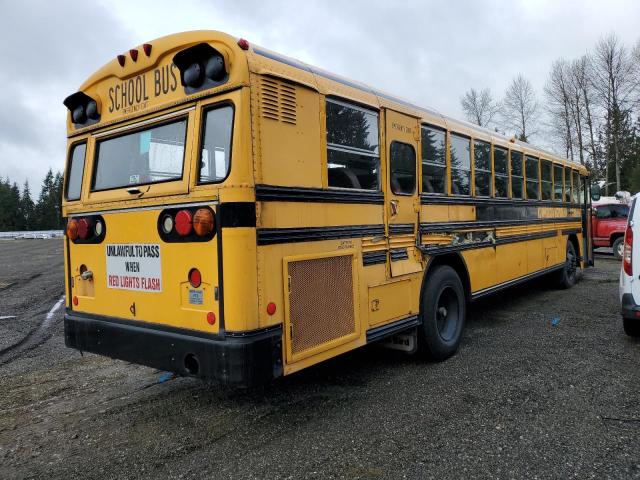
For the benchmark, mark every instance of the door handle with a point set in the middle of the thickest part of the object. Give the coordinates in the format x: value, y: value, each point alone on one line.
x: 393, y: 206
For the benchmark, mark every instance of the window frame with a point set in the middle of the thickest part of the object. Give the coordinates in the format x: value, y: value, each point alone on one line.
x: 451, y: 168
x: 202, y: 125
x: 526, y: 178
x: 72, y: 149
x: 542, y: 181
x: 353, y: 150
x: 501, y: 175
x: 445, y: 166
x: 521, y: 176
x: 561, y: 167
x: 415, y: 169
x: 145, y: 126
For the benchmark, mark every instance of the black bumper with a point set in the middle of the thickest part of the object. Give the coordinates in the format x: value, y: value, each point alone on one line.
x: 629, y: 307
x: 236, y: 359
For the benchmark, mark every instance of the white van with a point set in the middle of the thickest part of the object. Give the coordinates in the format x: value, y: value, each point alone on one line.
x: 630, y: 273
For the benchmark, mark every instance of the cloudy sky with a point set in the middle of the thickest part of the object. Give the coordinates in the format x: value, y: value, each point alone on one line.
x: 428, y: 51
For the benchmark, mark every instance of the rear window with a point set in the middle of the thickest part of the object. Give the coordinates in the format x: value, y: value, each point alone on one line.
x: 75, y: 170
x: 151, y: 155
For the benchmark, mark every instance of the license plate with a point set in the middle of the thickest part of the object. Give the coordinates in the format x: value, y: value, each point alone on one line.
x: 196, y: 297
x: 134, y: 266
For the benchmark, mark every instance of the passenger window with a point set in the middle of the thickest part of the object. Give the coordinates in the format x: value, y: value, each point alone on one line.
x: 216, y: 145
x: 619, y: 211
x: 576, y: 186
x: 546, y: 184
x: 500, y: 166
x: 403, y: 168
x: 532, y: 178
x: 434, y: 167
x: 460, y: 165
x: 558, y: 186
x: 353, y: 154
x: 567, y: 184
x: 516, y: 175
x: 75, y: 169
x: 603, y: 212
x: 482, y: 163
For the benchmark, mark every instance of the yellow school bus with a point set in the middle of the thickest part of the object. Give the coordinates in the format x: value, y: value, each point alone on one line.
x: 237, y: 215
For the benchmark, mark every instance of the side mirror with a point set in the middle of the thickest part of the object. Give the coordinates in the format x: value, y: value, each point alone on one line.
x: 595, y: 192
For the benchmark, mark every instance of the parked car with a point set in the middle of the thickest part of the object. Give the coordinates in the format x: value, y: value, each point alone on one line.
x: 630, y: 274
x: 608, y: 226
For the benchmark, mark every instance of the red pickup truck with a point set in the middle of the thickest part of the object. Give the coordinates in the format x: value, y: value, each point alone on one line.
x: 608, y: 224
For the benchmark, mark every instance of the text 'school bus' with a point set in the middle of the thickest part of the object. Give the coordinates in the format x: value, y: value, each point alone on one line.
x: 237, y: 215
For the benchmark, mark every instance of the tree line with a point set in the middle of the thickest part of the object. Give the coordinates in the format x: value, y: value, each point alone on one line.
x: 19, y: 212
x: 589, y: 111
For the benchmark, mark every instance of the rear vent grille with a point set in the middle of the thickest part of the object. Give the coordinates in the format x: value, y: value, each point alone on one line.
x: 321, y: 307
x: 278, y: 100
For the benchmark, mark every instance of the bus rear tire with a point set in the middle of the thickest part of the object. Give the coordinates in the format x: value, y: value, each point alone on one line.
x: 568, y: 276
x: 443, y: 312
x: 631, y: 327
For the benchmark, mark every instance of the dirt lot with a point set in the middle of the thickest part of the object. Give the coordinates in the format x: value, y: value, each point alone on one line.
x: 544, y: 386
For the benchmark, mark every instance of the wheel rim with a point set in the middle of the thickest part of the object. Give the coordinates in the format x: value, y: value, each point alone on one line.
x: 571, y: 263
x: 447, y: 313
x: 620, y: 249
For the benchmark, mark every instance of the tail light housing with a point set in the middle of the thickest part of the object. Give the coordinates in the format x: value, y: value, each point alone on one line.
x: 187, y: 224
x: 627, y: 256
x: 86, y: 229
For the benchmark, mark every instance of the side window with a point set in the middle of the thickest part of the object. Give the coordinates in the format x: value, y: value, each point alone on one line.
x: 558, y: 186
x: 546, y: 184
x: 516, y: 175
x: 75, y: 169
x: 353, y: 153
x: 619, y: 211
x: 434, y: 165
x: 403, y: 168
x: 482, y: 164
x: 603, y: 211
x: 532, y: 178
x: 567, y: 184
x: 501, y: 172
x: 576, y: 187
x: 215, y: 157
x: 460, y: 165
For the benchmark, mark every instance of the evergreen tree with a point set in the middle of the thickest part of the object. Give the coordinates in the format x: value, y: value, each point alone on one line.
x: 27, y: 207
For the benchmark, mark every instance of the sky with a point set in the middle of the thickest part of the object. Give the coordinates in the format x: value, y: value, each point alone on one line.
x: 429, y: 52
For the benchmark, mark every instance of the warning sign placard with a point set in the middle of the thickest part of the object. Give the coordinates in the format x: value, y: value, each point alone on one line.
x: 134, y: 266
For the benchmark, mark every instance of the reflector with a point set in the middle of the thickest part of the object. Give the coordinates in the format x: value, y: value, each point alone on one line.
x: 147, y: 48
x: 134, y: 54
x: 271, y: 308
x: 121, y: 60
x: 243, y: 44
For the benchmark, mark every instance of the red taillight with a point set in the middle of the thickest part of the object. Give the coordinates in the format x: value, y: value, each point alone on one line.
x: 184, y: 222
x: 147, y: 48
x: 271, y: 308
x: 243, y: 44
x: 195, y: 279
x: 72, y: 229
x: 134, y: 54
x: 75, y: 300
x: 84, y: 228
x: 121, y: 60
x: 203, y: 222
x: 627, y: 262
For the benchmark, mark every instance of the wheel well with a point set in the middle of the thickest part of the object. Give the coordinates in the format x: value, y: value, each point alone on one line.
x: 614, y: 237
x: 455, y: 261
x: 576, y: 245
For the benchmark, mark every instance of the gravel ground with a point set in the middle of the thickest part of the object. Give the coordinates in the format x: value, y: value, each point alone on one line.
x: 523, y: 398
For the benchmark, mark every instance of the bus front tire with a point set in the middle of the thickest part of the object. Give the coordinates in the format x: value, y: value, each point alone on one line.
x: 443, y: 312
x: 568, y: 276
x: 631, y: 327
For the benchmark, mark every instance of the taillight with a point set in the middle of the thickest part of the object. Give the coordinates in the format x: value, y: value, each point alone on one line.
x: 195, y: 278
x: 203, y: 222
x: 627, y: 260
x: 184, y: 222
x: 72, y: 229
x: 84, y: 228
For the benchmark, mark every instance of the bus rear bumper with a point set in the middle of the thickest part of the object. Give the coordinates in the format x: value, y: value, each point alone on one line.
x: 239, y: 359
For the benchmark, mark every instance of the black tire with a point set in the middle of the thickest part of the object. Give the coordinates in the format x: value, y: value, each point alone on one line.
x: 618, y: 248
x: 568, y: 276
x: 443, y: 311
x: 631, y: 327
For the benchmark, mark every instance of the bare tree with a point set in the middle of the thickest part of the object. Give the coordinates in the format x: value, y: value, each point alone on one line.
x: 614, y: 79
x: 559, y: 98
x: 520, y: 107
x: 479, y: 106
x: 581, y: 81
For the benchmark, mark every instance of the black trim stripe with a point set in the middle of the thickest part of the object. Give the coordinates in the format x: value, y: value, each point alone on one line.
x: 571, y: 231
x: 511, y: 283
x: 436, y: 227
x: 400, y: 228
x: 274, y: 193
x: 374, y: 258
x: 441, y: 249
x: 237, y: 214
x: 378, y: 333
x: 271, y: 236
x: 431, y: 199
x: 398, y: 254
